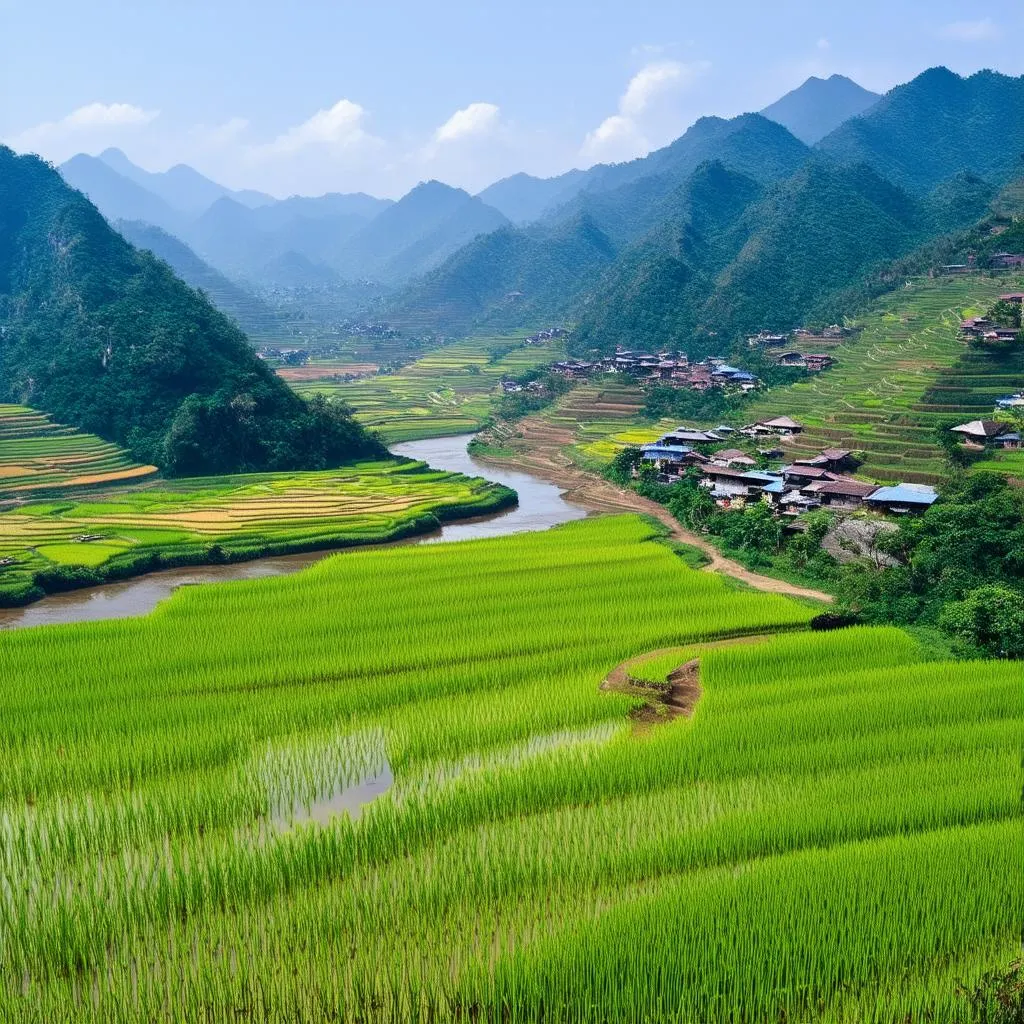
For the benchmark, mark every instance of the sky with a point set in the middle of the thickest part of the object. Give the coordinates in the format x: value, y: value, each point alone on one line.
x: 310, y: 96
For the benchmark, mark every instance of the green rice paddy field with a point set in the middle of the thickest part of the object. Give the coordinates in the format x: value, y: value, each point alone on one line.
x: 904, y: 375
x: 448, y: 391
x: 38, y: 454
x: 834, y: 835
x: 192, y: 521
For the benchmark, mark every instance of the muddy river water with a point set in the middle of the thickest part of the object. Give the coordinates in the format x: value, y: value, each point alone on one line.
x: 541, y: 506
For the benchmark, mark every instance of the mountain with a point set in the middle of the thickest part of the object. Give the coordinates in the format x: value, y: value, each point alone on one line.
x: 181, y: 187
x: 105, y: 337
x: 523, y: 198
x: 416, y: 233
x: 253, y: 315
x: 118, y: 197
x: 293, y: 270
x: 820, y: 105
x: 739, y: 258
x: 616, y: 203
x: 511, y: 275
x: 935, y: 126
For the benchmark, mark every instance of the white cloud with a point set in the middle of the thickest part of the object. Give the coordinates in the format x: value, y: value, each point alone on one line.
x: 476, y: 119
x: 91, y: 125
x: 653, y: 81
x: 970, y: 31
x: 340, y: 127
x: 823, y: 44
x: 622, y: 136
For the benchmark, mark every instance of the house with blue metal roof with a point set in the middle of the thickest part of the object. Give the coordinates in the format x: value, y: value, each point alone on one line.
x: 902, y: 498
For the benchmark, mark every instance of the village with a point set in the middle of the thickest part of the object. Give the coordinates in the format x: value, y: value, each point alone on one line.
x: 675, y: 369
x: 735, y: 478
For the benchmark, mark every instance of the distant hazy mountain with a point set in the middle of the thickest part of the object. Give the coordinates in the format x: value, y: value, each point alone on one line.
x: 293, y: 270
x: 939, y: 124
x: 820, y: 105
x: 512, y: 275
x: 524, y: 198
x: 416, y: 233
x: 118, y: 197
x: 253, y: 315
x: 181, y: 187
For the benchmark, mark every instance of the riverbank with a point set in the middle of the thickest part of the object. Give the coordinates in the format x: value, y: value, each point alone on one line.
x: 50, y: 549
x: 518, y: 502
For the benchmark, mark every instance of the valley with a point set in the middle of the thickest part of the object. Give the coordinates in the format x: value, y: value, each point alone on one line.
x: 584, y: 599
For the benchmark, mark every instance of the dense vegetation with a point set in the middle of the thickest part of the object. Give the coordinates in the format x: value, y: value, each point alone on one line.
x: 832, y: 836
x: 929, y: 129
x: 106, y: 339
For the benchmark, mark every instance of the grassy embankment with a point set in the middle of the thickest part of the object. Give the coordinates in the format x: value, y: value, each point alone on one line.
x: 450, y: 390
x: 68, y: 542
x: 833, y: 835
x: 38, y: 454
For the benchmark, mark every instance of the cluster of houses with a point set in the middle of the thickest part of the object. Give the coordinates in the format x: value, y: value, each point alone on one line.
x: 790, y: 349
x: 734, y: 480
x: 548, y: 334
x: 671, y: 369
x: 981, y: 434
x: 981, y: 328
x: 531, y: 387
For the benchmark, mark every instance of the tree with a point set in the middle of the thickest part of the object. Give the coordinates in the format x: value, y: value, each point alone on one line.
x: 988, y: 619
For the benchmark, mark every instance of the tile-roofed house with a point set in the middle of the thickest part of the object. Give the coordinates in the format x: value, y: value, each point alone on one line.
x: 845, y: 493
x: 902, y: 498
x: 1014, y: 297
x: 980, y: 432
x: 782, y: 425
x: 732, y: 457
x: 798, y: 472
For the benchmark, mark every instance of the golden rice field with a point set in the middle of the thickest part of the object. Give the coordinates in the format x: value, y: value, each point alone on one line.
x: 206, y: 519
x: 38, y: 454
x: 450, y: 390
x: 390, y: 789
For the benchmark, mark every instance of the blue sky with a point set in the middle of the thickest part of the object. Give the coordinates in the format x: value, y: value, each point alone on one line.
x: 311, y: 96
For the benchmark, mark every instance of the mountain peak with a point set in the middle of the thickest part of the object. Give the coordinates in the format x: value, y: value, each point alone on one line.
x: 819, y: 106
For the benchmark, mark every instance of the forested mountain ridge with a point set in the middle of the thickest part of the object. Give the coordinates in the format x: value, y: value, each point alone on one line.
x: 935, y: 126
x: 793, y: 252
x: 106, y: 338
x: 513, y: 275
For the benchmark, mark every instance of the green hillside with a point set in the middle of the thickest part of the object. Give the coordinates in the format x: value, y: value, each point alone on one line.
x: 900, y: 378
x: 107, y: 339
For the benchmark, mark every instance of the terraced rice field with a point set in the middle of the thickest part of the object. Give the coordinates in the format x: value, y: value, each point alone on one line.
x: 898, y: 380
x: 448, y: 391
x: 216, y: 518
x: 390, y: 788
x: 38, y: 454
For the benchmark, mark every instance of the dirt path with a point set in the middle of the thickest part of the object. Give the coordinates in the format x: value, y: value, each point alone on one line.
x: 678, y: 696
x: 539, y: 449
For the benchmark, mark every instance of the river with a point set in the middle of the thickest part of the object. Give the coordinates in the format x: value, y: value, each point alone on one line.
x: 541, y: 506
